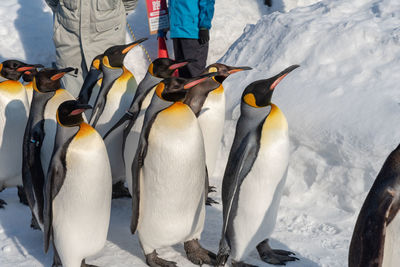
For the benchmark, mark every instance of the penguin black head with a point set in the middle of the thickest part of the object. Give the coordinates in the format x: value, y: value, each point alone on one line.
x: 13, y: 69
x: 165, y: 67
x: 69, y: 113
x: 259, y: 93
x: 114, y: 56
x: 174, y: 89
x: 48, y: 80
x: 223, y: 70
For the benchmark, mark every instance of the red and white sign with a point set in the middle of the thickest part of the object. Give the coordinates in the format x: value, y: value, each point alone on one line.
x: 157, y: 13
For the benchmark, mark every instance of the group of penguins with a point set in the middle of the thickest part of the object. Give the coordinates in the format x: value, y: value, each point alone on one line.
x: 162, y: 138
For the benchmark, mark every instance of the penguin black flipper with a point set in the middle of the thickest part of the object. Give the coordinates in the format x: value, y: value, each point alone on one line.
x: 54, y: 182
x: 239, y: 165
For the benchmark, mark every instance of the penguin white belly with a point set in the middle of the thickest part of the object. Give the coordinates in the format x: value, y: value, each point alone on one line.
x: 50, y: 126
x: 172, y: 181
x: 13, y: 118
x: 132, y: 140
x: 391, y: 252
x: 211, y: 120
x: 260, y: 194
x: 81, y: 209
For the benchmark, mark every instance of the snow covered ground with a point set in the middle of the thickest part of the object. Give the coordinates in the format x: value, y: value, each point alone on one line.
x: 342, y: 105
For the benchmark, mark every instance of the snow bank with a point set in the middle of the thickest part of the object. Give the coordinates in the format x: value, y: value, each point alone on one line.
x: 343, y: 108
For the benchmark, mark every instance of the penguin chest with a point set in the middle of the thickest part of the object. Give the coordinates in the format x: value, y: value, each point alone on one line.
x: 391, y: 252
x: 118, y: 101
x: 81, y: 209
x: 172, y: 179
x: 211, y: 120
x: 13, y: 118
x: 50, y: 126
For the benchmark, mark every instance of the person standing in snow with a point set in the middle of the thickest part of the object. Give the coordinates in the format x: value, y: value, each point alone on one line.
x: 190, y: 23
x: 84, y: 29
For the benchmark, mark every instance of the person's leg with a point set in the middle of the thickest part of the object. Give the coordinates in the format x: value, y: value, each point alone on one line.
x: 192, y: 49
x: 178, y: 52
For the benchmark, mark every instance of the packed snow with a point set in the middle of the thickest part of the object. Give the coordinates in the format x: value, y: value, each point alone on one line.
x: 342, y: 106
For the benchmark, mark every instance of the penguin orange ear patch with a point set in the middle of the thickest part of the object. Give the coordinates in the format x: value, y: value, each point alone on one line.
x: 277, y: 81
x: 57, y: 76
x: 212, y: 69
x: 250, y: 100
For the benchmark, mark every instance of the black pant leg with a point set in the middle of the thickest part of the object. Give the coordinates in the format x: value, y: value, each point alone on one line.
x: 191, y: 49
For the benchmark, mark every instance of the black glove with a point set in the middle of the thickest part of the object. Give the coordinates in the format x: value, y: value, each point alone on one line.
x: 268, y: 3
x: 204, y: 36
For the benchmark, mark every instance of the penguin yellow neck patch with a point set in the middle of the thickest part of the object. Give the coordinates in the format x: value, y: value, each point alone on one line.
x: 85, y: 130
x: 218, y: 90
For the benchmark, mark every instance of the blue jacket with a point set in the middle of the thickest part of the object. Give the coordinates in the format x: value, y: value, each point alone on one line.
x: 188, y: 16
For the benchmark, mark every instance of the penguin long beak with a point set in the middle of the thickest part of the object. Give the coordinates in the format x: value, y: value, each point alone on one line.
x: 128, y: 47
x: 278, y: 78
x: 181, y: 63
x: 196, y: 80
x: 29, y: 67
x: 61, y: 73
x: 80, y: 108
x: 232, y: 70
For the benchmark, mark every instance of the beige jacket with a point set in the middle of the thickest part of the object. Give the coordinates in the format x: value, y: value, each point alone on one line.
x: 84, y: 29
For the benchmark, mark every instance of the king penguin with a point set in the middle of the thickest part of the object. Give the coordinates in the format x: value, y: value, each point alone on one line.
x: 27, y: 77
x: 13, y: 69
x: 207, y: 101
x: 117, y: 88
x: 39, y: 135
x: 254, y: 176
x: 376, y: 236
x: 78, y: 189
x: 128, y: 128
x: 168, y: 208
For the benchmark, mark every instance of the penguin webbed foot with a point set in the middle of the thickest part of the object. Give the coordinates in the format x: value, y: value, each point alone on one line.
x: 22, y: 196
x: 120, y: 191
x: 84, y: 264
x: 274, y: 256
x: 241, y: 264
x: 199, y: 255
x: 34, y: 224
x: 210, y: 201
x: 2, y: 204
x: 153, y: 260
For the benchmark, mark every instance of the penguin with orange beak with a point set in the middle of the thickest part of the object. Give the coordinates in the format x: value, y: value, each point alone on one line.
x: 40, y: 131
x: 13, y: 69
